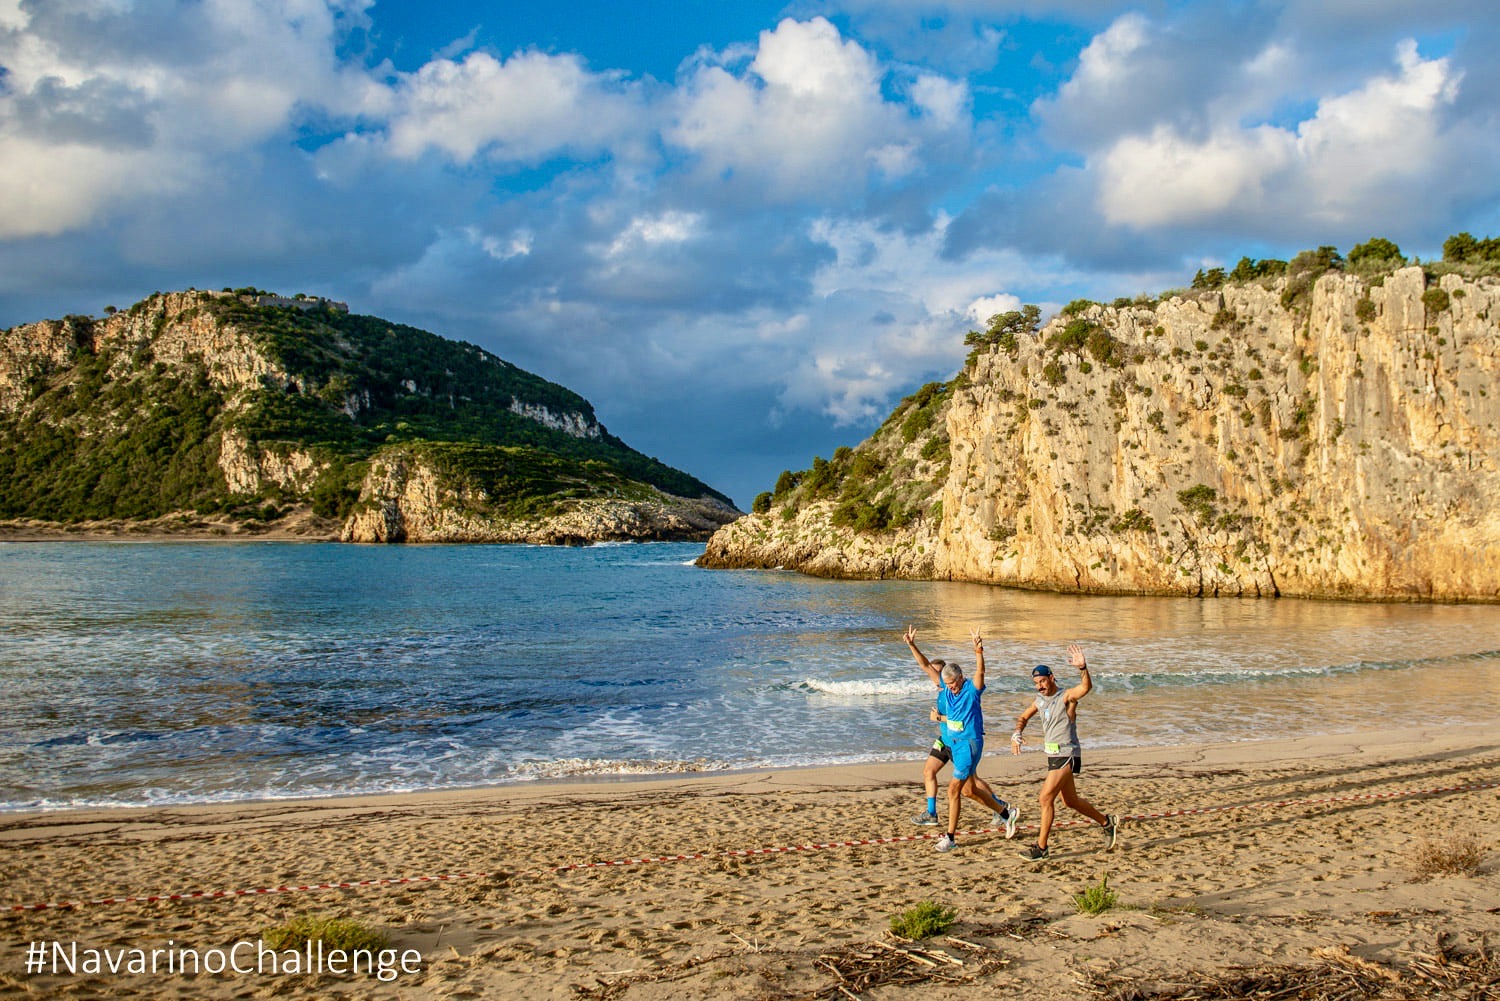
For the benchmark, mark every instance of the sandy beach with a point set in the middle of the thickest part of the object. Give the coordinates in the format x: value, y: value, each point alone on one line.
x: 1300, y: 854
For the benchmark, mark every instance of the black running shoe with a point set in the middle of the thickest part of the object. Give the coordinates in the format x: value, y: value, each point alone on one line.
x: 1034, y: 852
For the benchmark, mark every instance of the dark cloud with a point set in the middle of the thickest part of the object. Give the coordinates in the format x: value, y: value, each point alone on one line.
x: 95, y: 113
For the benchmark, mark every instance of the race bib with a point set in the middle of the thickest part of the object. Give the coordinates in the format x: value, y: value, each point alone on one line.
x: 956, y: 725
x: 1054, y: 748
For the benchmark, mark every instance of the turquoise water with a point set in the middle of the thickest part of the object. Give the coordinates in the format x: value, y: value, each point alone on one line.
x: 137, y: 673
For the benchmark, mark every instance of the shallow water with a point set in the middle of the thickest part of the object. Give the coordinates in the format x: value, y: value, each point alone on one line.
x: 139, y: 673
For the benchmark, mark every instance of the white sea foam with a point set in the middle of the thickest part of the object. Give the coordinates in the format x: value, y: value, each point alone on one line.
x: 868, y: 687
x: 574, y: 767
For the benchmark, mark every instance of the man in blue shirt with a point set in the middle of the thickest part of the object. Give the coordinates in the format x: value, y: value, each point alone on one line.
x: 958, y: 703
x: 1006, y: 815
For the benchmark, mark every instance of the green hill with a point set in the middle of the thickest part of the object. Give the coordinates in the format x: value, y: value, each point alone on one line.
x: 250, y: 407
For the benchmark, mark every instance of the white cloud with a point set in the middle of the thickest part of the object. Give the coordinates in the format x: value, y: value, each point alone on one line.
x: 947, y: 101
x: 1166, y: 179
x: 1360, y: 147
x: 12, y: 16
x: 90, y: 124
x: 665, y: 228
x: 981, y: 309
x: 48, y: 189
x: 807, y: 118
x: 517, y: 244
x: 529, y: 108
x: 855, y: 364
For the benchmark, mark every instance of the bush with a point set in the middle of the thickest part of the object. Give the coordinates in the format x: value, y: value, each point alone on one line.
x: 1004, y: 332
x: 1460, y: 855
x: 1465, y: 249
x: 936, y: 449
x: 334, y: 933
x: 762, y: 502
x: 1096, y: 899
x: 1248, y: 270
x: 1105, y: 349
x: 1213, y: 278
x: 1304, y: 270
x: 1134, y: 520
x: 1435, y: 300
x: 1377, y: 252
x: 1072, y: 337
x: 925, y: 920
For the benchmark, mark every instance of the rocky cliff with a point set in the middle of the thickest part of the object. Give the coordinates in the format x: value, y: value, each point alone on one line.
x: 1334, y: 440
x: 229, y: 412
x: 414, y: 495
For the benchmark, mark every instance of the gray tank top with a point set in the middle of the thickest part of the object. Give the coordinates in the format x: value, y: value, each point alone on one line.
x: 1059, y: 732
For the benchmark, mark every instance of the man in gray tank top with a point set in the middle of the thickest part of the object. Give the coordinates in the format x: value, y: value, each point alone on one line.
x: 1059, y: 712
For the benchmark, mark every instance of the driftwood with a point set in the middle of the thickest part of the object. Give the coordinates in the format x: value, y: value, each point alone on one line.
x: 1448, y: 973
x: 859, y: 968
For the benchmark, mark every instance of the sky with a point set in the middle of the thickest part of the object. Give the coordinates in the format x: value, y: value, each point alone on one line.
x: 744, y: 231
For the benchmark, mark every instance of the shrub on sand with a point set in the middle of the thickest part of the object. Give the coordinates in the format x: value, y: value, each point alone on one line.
x: 923, y: 921
x: 1096, y: 899
x: 334, y: 933
x: 1458, y: 855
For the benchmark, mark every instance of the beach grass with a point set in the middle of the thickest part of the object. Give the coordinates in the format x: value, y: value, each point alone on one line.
x: 335, y: 933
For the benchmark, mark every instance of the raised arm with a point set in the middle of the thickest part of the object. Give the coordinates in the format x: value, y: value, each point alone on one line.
x: 926, y: 665
x: 1085, y: 683
x: 978, y: 661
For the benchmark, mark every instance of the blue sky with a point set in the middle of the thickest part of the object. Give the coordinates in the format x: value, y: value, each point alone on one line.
x: 743, y: 231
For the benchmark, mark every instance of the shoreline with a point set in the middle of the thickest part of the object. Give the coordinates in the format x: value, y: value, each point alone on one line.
x: 24, y: 531
x: 744, y: 884
x: 892, y: 770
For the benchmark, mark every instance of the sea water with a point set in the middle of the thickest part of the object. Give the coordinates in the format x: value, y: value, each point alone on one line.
x: 149, y: 673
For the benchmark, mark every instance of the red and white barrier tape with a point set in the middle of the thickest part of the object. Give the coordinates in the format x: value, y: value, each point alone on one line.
x: 732, y: 853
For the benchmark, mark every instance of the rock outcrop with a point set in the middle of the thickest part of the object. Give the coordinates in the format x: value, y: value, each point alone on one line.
x: 1343, y: 444
x: 407, y: 499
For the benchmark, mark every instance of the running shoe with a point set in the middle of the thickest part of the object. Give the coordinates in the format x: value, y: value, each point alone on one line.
x: 1012, y: 818
x: 1111, y: 831
x: 946, y: 843
x: 1034, y: 852
x: 925, y: 820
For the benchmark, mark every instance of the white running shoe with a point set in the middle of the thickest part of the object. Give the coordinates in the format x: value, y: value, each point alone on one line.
x: 1012, y: 818
x: 946, y: 843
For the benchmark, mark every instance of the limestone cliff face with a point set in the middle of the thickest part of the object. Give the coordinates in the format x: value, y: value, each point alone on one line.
x: 405, y: 498
x: 1220, y: 444
x: 173, y: 327
x: 248, y: 466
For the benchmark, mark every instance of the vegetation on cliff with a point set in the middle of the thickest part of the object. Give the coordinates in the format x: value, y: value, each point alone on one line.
x: 216, y: 403
x: 1324, y: 425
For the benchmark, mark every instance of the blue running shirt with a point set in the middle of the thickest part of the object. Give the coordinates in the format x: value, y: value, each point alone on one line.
x: 965, y: 718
